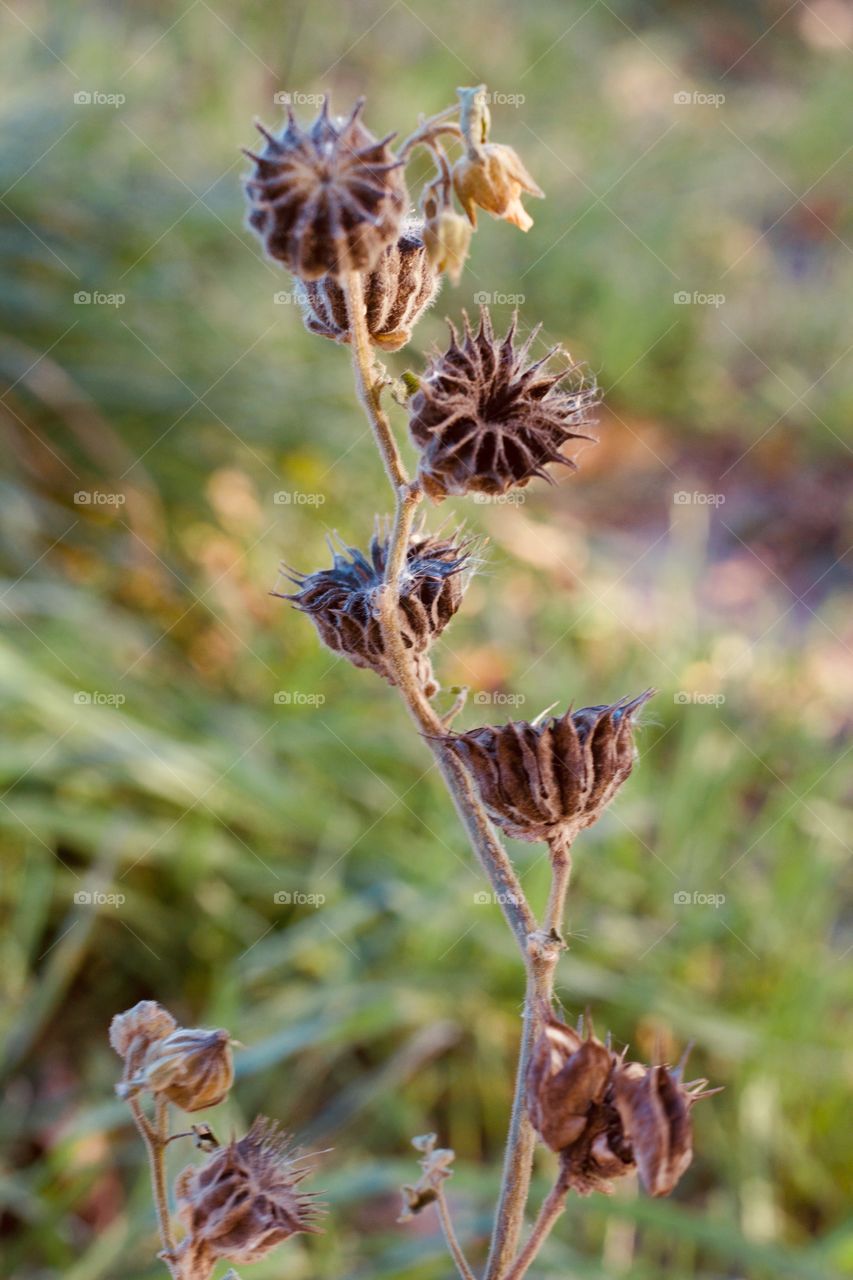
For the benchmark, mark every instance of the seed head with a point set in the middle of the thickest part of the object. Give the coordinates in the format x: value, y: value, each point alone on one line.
x: 243, y: 1201
x: 133, y: 1033
x: 654, y: 1108
x: 547, y: 781
x: 193, y: 1068
x: 493, y: 177
x: 397, y: 291
x: 329, y: 199
x: 342, y: 602
x: 486, y: 420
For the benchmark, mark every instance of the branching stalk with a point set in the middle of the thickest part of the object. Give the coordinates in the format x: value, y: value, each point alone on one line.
x: 451, y: 1238
x: 551, y: 1209
x: 156, y: 1139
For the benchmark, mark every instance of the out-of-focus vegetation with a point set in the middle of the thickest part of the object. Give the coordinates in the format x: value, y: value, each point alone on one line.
x: 146, y: 754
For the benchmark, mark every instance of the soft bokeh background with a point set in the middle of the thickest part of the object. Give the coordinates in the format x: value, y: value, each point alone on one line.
x: 145, y: 754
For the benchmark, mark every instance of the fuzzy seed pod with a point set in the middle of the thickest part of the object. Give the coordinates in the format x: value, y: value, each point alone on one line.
x: 547, y: 781
x: 397, y: 292
x: 242, y: 1202
x: 133, y: 1033
x: 329, y: 199
x: 486, y: 420
x: 493, y: 177
x: 607, y: 1118
x: 342, y: 601
x: 193, y: 1068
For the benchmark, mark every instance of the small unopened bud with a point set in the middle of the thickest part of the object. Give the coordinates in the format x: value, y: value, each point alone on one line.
x: 436, y: 1164
x: 447, y: 236
x: 493, y: 177
x: 193, y: 1068
x: 134, y: 1032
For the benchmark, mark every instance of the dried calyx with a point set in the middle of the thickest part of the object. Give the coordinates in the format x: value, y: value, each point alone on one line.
x: 486, y: 420
x: 397, y: 291
x: 607, y: 1118
x: 546, y: 781
x: 329, y: 199
x: 191, y: 1067
x: 436, y: 1165
x: 243, y: 1201
x: 342, y: 602
x: 490, y: 175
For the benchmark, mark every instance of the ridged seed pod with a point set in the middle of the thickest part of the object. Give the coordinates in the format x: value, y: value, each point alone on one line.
x: 192, y: 1067
x: 329, y: 199
x: 341, y: 601
x: 397, y: 291
x: 486, y: 420
x: 242, y: 1202
x: 547, y: 781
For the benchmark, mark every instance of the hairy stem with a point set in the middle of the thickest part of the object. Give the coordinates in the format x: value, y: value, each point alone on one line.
x: 450, y: 1236
x: 431, y: 128
x: 561, y: 872
x: 551, y: 1209
x: 156, y: 1138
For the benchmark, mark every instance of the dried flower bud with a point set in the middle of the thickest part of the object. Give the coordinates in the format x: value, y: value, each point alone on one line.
x: 193, y: 1068
x: 342, y: 601
x: 654, y: 1107
x: 566, y: 1076
x: 547, y: 781
x: 243, y: 1201
x: 398, y: 290
x: 133, y: 1033
x: 328, y: 199
x: 486, y: 420
x: 436, y: 1164
x: 493, y: 177
x: 447, y: 237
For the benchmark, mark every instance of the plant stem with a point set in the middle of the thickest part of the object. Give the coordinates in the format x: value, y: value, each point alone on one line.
x: 368, y: 386
x: 561, y: 871
x: 452, y: 1240
x: 430, y: 128
x: 156, y: 1138
x: 551, y: 1209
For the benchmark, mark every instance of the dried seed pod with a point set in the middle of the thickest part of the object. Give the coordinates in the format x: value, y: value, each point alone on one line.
x: 193, y: 1068
x: 547, y: 781
x: 342, y: 601
x: 654, y: 1108
x: 435, y: 1164
x: 486, y: 420
x: 329, y: 199
x: 493, y: 177
x: 447, y: 237
x: 134, y: 1032
x: 567, y: 1076
x: 243, y: 1201
x: 397, y: 291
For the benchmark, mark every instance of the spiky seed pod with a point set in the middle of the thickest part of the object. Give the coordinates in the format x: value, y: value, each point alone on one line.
x: 566, y: 1076
x: 342, y: 601
x: 134, y: 1032
x: 329, y: 199
x: 493, y: 177
x: 547, y: 781
x: 397, y: 291
x: 486, y: 420
x: 192, y: 1067
x: 243, y: 1201
x: 654, y: 1107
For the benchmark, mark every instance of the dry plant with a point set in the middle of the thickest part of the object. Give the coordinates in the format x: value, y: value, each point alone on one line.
x: 330, y: 203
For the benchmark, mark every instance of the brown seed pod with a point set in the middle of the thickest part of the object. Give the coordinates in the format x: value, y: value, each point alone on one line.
x: 493, y: 177
x: 192, y: 1067
x: 397, y: 291
x: 487, y: 421
x: 329, y: 199
x: 342, y: 601
x: 134, y: 1032
x: 566, y: 1077
x: 547, y: 781
x: 654, y: 1108
x: 243, y: 1201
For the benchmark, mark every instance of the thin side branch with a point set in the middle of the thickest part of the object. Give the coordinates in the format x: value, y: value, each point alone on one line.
x: 552, y: 1207
x: 156, y: 1138
x: 452, y: 1239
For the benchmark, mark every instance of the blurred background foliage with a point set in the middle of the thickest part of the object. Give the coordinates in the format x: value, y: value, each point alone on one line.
x: 145, y: 753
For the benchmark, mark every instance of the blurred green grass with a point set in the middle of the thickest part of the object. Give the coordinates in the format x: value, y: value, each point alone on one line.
x: 394, y: 1006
